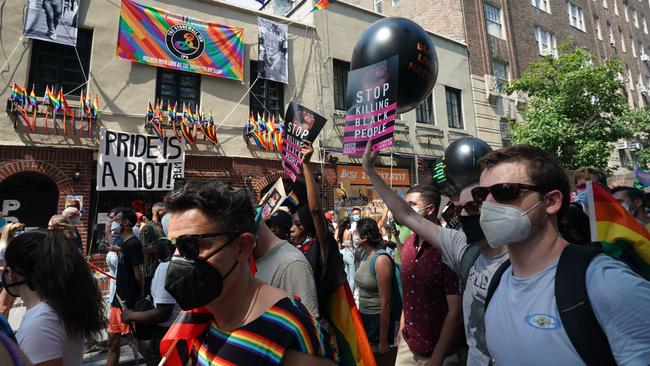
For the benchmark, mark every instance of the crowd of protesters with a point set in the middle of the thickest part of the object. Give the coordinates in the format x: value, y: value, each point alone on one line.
x: 491, y: 291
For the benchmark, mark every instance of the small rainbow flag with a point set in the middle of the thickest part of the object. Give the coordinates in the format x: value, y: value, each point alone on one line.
x: 620, y: 235
x: 321, y: 4
x: 293, y: 198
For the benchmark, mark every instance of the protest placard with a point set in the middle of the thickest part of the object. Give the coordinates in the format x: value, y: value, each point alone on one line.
x: 300, y: 124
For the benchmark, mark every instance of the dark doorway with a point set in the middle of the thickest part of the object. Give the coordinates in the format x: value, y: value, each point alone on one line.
x: 30, y: 198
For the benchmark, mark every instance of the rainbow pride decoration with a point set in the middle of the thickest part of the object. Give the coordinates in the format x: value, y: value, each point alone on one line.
x: 620, y: 235
x: 265, y: 131
x: 185, y: 125
x: 321, y: 4
x: 56, y: 104
x: 156, y: 37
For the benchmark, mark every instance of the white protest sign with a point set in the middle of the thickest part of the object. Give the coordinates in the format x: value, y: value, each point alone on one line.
x: 133, y: 162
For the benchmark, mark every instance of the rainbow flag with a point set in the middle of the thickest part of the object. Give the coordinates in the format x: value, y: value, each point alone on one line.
x: 293, y: 198
x: 195, y: 45
x: 32, y: 98
x: 620, y: 235
x: 321, y: 4
x: 15, y: 93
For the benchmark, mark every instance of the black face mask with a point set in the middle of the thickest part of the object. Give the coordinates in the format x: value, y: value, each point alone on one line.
x: 472, y: 227
x: 7, y: 286
x: 195, y: 283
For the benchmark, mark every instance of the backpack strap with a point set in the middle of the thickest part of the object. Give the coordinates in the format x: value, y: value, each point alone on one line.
x: 575, y: 310
x: 494, y: 282
x: 466, y: 262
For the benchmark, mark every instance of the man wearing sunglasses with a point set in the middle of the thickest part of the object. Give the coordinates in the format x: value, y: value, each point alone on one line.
x: 458, y: 252
x: 525, y: 192
x: 212, y: 226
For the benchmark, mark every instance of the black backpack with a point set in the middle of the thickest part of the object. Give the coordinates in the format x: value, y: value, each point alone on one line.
x: 576, y: 313
x: 466, y: 262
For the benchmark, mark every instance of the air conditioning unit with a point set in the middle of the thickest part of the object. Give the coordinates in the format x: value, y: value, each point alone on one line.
x: 491, y: 88
x: 636, y: 146
x: 643, y: 89
x: 645, y: 58
x: 546, y: 52
x: 612, y: 43
x: 620, y: 78
x: 622, y: 145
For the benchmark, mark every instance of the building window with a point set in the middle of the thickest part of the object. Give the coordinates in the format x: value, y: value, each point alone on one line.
x: 605, y: 4
x: 454, y: 107
x: 543, y: 5
x: 56, y: 65
x: 576, y: 17
x: 500, y: 71
x: 623, y: 47
x: 599, y: 33
x: 610, y: 31
x: 545, y: 42
x: 424, y: 111
x: 178, y: 88
x: 641, y: 49
x: 506, y: 139
x: 493, y: 18
x: 615, y: 8
x: 341, y: 70
x: 645, y: 26
x: 633, y: 46
x: 630, y: 81
x: 395, y: 2
x: 635, y: 18
x: 266, y: 96
x: 627, y: 17
x: 378, y: 6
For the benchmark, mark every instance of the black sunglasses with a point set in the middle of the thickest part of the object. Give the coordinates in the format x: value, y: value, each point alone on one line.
x: 472, y: 208
x: 502, y: 192
x: 188, y: 245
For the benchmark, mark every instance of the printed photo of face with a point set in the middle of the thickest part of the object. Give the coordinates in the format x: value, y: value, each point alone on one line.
x: 307, y: 120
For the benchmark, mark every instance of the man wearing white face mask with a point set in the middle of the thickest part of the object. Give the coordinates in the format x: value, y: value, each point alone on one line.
x: 531, y: 317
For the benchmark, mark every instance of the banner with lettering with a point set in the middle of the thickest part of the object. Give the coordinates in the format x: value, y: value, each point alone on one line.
x: 371, y: 101
x: 134, y: 162
x: 156, y: 37
x: 300, y: 124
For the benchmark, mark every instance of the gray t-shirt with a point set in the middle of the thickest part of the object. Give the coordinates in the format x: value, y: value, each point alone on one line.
x: 524, y: 327
x: 453, y: 246
x: 286, y: 268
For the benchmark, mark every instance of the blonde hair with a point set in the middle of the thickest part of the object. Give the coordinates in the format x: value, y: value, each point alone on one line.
x: 9, y: 231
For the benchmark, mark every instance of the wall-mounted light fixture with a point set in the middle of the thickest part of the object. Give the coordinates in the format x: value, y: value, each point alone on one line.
x: 76, y: 175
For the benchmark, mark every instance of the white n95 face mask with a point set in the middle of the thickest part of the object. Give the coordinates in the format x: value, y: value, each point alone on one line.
x: 504, y: 224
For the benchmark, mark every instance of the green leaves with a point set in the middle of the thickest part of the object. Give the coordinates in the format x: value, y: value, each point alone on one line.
x: 577, y: 110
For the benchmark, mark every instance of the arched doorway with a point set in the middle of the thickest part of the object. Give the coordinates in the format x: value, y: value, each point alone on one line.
x: 30, y: 198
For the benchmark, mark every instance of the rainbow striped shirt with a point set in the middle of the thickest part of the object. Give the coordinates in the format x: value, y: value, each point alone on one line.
x: 287, y: 325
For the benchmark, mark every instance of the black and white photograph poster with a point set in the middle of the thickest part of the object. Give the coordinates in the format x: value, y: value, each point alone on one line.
x: 273, y: 50
x: 52, y: 20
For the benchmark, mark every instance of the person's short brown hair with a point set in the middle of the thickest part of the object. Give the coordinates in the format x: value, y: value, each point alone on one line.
x: 586, y: 172
x: 543, y: 169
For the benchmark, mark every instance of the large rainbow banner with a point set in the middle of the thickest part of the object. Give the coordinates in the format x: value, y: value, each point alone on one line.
x: 155, y: 37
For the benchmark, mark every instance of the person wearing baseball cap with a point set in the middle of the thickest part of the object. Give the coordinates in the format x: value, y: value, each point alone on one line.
x: 280, y: 224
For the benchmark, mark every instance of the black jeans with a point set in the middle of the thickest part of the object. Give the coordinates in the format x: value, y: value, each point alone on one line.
x: 53, y: 11
x: 154, y: 357
x: 371, y: 323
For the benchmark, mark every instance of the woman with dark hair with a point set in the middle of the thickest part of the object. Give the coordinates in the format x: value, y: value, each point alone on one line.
x: 64, y: 304
x: 378, y: 306
x: 311, y: 235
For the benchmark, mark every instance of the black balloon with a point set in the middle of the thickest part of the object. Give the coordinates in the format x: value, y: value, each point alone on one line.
x: 461, y: 161
x: 418, y: 62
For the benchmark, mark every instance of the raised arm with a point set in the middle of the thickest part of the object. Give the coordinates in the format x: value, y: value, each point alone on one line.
x: 401, y: 210
x: 314, y: 200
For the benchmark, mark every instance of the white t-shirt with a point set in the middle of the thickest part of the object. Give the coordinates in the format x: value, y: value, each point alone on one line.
x: 524, y: 328
x: 42, y: 337
x: 453, y: 246
x: 160, y: 295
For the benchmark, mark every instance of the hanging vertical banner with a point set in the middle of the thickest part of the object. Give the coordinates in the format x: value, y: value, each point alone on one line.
x: 371, y: 99
x: 273, y: 50
x: 155, y: 37
x: 300, y: 124
x: 52, y: 21
x: 133, y: 162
